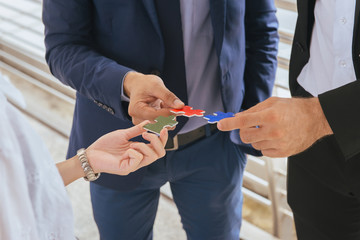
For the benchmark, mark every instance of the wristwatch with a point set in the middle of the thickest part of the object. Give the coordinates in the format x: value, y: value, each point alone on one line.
x: 89, y: 172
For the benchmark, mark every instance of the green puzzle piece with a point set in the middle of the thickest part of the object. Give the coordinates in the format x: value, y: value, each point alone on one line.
x: 161, y: 122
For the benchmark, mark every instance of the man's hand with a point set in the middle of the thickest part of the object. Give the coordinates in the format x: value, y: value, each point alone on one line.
x: 149, y: 98
x: 280, y: 127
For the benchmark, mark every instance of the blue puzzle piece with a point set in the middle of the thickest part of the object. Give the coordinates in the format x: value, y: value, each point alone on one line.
x: 218, y: 116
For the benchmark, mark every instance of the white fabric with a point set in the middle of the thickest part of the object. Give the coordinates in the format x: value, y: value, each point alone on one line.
x: 33, y: 201
x: 330, y: 65
x: 11, y: 92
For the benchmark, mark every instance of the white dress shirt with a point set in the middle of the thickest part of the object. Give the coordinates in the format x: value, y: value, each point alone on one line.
x: 330, y: 65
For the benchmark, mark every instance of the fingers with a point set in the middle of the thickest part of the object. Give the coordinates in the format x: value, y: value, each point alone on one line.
x: 130, y: 161
x: 154, y: 150
x: 240, y: 121
x: 148, y: 152
x: 151, y: 113
x: 135, y: 130
x: 155, y: 143
x: 150, y: 98
x: 143, y: 111
x: 274, y: 153
x: 228, y: 124
x: 164, y: 136
x: 264, y: 145
x: 252, y: 117
x: 272, y: 148
x: 168, y: 98
x: 252, y: 135
x: 272, y: 133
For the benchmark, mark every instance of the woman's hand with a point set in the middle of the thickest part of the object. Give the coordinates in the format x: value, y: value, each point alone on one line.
x: 114, y: 152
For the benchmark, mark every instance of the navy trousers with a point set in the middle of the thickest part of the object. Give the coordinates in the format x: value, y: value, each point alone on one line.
x: 205, y: 179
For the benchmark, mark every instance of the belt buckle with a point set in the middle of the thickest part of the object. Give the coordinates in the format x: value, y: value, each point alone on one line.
x: 175, y: 143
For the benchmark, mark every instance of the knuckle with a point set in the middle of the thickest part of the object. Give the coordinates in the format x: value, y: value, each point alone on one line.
x: 157, y: 82
x: 272, y: 154
x: 276, y: 134
x: 157, y: 79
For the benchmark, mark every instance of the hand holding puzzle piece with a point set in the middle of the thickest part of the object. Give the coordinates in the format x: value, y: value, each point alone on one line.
x: 160, y: 123
x: 187, y: 111
x: 218, y: 116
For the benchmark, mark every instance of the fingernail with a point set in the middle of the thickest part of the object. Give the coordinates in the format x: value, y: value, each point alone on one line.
x: 178, y: 103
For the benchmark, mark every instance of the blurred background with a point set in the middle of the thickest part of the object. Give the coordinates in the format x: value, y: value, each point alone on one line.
x: 50, y: 105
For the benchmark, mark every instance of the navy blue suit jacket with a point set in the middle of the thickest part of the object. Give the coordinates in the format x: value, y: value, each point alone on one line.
x: 92, y: 44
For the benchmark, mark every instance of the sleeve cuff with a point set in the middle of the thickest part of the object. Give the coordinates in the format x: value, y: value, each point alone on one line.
x: 341, y: 108
x: 123, y: 95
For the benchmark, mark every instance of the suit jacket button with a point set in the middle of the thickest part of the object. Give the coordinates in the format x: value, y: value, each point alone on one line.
x: 110, y: 110
x: 155, y: 72
x: 98, y: 103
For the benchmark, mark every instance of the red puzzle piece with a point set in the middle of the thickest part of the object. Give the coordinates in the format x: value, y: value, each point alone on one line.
x: 188, y: 112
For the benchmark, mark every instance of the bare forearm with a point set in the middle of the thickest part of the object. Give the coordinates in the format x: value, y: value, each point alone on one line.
x: 114, y: 153
x: 70, y: 170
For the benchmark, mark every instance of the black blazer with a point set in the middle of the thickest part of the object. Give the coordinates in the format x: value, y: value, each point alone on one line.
x: 342, y: 105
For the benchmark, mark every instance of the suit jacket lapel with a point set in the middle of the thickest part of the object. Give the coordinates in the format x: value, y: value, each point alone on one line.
x: 218, y: 14
x: 357, y: 21
x: 308, y: 6
x: 356, y: 40
x: 357, y: 12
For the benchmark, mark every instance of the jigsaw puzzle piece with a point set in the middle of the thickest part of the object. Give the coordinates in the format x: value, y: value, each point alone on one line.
x: 188, y: 112
x: 218, y: 116
x: 160, y: 123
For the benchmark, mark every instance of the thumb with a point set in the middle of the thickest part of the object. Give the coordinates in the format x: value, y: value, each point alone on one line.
x: 168, y: 98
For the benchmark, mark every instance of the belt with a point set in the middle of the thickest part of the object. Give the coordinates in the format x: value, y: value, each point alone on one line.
x: 189, y: 137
